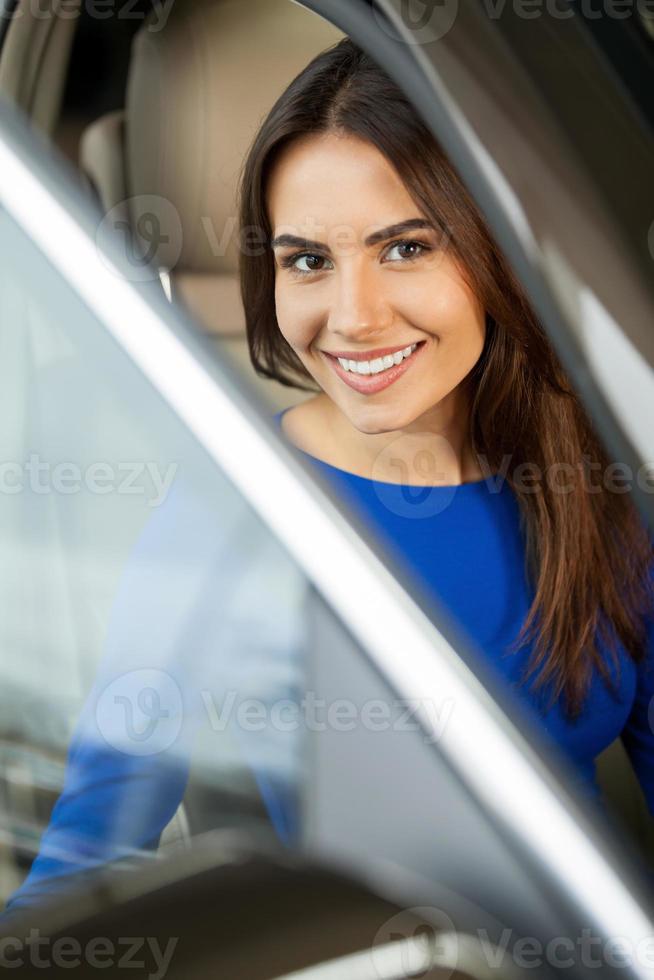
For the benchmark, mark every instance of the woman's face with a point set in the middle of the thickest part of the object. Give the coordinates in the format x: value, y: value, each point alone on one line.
x: 361, y: 277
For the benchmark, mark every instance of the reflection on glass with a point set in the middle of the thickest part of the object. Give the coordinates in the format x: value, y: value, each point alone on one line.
x: 150, y: 623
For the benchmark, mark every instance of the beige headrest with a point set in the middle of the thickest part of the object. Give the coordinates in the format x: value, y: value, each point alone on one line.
x: 197, y: 91
x: 101, y: 152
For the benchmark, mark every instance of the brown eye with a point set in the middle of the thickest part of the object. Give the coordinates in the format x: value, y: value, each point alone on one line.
x: 309, y: 263
x: 405, y: 251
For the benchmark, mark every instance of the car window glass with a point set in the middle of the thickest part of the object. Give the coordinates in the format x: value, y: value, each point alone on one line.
x: 146, y: 611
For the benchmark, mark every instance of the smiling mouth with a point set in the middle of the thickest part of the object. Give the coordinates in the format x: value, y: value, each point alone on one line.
x: 374, y: 372
x: 376, y: 361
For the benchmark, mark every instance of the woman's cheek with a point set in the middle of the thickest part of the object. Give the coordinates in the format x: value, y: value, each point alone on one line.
x: 295, y: 321
x: 426, y: 301
x: 456, y: 318
x: 285, y: 321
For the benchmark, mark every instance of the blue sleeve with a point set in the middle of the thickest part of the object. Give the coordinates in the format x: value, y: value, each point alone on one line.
x: 182, y: 624
x: 112, y: 807
x: 127, y: 765
x: 638, y: 733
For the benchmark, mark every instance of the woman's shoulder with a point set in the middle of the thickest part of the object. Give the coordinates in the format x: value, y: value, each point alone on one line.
x: 305, y: 424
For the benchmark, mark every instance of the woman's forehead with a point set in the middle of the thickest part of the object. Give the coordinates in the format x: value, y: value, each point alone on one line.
x: 329, y: 180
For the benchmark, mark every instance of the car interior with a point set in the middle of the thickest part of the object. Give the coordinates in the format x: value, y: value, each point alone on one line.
x: 198, y: 75
x: 148, y: 94
x: 179, y: 82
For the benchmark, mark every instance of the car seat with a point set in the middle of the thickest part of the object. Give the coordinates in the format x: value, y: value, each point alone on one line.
x: 197, y: 91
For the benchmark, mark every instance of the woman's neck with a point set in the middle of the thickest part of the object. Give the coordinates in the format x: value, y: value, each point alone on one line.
x: 433, y: 449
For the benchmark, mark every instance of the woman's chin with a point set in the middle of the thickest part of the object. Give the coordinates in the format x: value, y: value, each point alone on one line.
x: 374, y: 420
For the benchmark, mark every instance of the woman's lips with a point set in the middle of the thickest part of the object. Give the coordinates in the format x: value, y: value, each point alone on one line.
x: 370, y: 384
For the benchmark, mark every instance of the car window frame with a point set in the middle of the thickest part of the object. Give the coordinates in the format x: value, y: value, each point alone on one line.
x: 41, y: 196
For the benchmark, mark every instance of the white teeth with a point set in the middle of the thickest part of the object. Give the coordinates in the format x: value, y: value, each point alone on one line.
x: 378, y: 364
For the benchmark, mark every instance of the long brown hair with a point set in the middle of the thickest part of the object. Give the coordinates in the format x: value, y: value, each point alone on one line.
x: 588, y: 555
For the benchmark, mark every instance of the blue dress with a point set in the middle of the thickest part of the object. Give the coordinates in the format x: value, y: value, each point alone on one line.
x: 463, y: 545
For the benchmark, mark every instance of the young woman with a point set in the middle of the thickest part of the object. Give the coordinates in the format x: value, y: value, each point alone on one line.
x: 442, y: 412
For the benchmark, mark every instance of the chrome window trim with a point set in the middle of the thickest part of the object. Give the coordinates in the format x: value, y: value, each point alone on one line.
x: 43, y: 201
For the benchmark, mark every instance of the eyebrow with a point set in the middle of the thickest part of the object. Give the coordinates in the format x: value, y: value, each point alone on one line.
x: 392, y: 231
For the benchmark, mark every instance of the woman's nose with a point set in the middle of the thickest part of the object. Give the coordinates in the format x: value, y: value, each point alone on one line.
x: 360, y: 308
